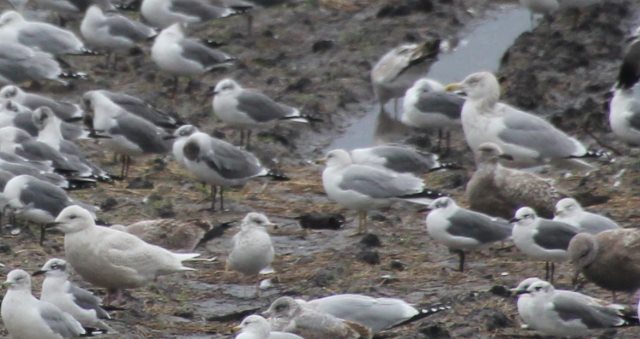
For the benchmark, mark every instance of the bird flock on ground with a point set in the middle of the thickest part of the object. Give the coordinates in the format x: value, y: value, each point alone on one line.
x: 41, y: 160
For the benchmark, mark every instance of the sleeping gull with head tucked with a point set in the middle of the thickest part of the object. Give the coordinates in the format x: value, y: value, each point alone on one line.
x: 568, y: 210
x: 19, y: 63
x: 26, y: 317
x: 529, y: 139
x: 461, y: 229
x: 399, y: 158
x: 113, y: 259
x: 285, y: 314
x: 362, y: 187
x: 542, y: 239
x: 257, y: 327
x: 78, y: 302
x: 63, y: 110
x: 164, y: 13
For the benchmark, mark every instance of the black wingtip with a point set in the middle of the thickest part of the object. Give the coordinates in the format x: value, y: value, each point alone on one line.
x: 277, y: 175
x: 594, y: 154
x: 424, y: 312
x: 445, y: 166
x: 426, y: 193
x: 215, y: 232
x: 72, y: 75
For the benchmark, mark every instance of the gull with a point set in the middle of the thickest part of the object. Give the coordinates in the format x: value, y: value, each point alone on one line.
x: 610, y: 259
x: 66, y: 9
x: 399, y: 68
x: 171, y: 234
x: 164, y: 13
x: 113, y: 259
x: 529, y: 139
x: 246, y: 108
x: 128, y: 134
x: 18, y: 166
x: 220, y: 164
x: 181, y: 135
x: 427, y: 106
x: 19, y: 63
x: 569, y: 211
x: 361, y: 187
x: 112, y: 32
x: 285, y: 314
x: 624, y: 108
x: 26, y: 317
x: 558, y: 313
x: 178, y: 55
x: 542, y: 239
x: 257, y: 327
x: 525, y: 300
x: 81, y: 304
x: 36, y: 200
x: 461, y: 229
x: 63, y: 110
x: 378, y: 314
x: 399, y: 158
x: 497, y: 190
x: 17, y: 115
x: 252, y: 250
x: 43, y: 36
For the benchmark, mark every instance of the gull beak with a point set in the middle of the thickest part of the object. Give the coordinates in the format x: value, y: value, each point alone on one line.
x: 512, y: 220
x: 506, y: 157
x: 212, y: 91
x: 37, y: 273
x: 74, y: 119
x: 266, y: 314
x: 169, y: 137
x: 517, y: 291
x: 7, y: 283
x: 456, y: 86
x: 52, y: 225
x: 237, y: 328
x: 320, y: 161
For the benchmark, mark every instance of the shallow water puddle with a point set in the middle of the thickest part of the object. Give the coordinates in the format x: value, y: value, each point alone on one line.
x: 480, y: 49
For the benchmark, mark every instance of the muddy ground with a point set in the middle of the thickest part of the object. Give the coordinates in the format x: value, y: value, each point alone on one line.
x: 317, y: 55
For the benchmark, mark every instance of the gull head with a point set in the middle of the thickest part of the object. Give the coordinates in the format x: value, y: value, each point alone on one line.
x: 425, y: 85
x: 525, y: 216
x: 583, y: 249
x: 185, y: 131
x: 442, y: 203
x: 567, y: 207
x: 53, y: 268
x: 481, y: 86
x: 337, y: 158
x: 173, y: 32
x: 283, y: 307
x: 254, y: 219
x: 226, y: 86
x: 73, y: 219
x: 255, y: 324
x: 523, y: 286
x: 11, y: 92
x: 10, y: 17
x: 94, y: 11
x: 13, y: 107
x: 43, y: 116
x: 540, y: 287
x: 18, y: 280
x: 489, y: 152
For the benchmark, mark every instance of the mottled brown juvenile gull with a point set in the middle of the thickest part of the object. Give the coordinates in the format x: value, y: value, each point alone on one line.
x: 113, y: 259
x: 542, y: 239
x: 569, y: 211
x: 257, y: 327
x: 561, y: 313
x: 610, y: 259
x: 285, y: 314
x: 80, y: 303
x: 499, y: 191
x: 362, y: 187
x: 529, y: 139
x: 171, y: 234
x: 252, y: 250
x: 399, y: 68
x: 463, y: 230
x: 26, y: 317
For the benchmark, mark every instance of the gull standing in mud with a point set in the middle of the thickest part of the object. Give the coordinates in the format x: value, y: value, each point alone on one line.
x: 78, y: 302
x: 252, y: 250
x: 361, y: 187
x: 569, y: 211
x: 462, y: 230
x: 399, y: 68
x: 246, y: 108
x: 529, y: 139
x: 113, y: 259
x: 26, y: 317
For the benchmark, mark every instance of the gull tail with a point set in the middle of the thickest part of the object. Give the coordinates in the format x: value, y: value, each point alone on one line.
x: 185, y: 256
x: 72, y: 75
x: 423, y: 313
x: 80, y: 183
x: 215, y: 232
x: 86, y: 51
x: 593, y: 154
x: 276, y: 175
x: 446, y: 165
x: 423, y: 198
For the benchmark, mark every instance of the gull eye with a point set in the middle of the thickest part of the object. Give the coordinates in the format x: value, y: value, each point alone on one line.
x: 73, y: 216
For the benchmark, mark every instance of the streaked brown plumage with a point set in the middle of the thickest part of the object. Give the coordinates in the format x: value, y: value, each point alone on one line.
x: 172, y: 234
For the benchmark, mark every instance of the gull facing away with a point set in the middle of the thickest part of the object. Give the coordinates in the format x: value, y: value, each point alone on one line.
x: 113, y: 259
x: 399, y: 68
x: 427, y: 106
x: 63, y: 110
x: 40, y: 35
x: 26, y: 317
x: 570, y: 314
x: 610, y: 259
x: 252, y: 250
x: 569, y: 211
x: 164, y: 13
x: 497, y: 190
x: 542, y: 239
x: 257, y: 327
x: 78, y: 302
x: 399, y: 158
x: 245, y: 108
x: 19, y: 63
x: 379, y: 314
x: 113, y: 33
x: 178, y: 55
x: 361, y: 187
x: 529, y: 139
x: 624, y: 108
x: 461, y: 229
x: 285, y: 314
